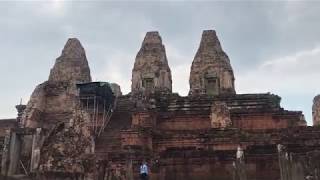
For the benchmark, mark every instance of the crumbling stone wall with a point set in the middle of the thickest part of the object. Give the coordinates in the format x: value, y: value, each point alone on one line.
x: 69, y: 148
x: 35, y: 107
x: 299, y: 166
x: 52, y: 106
x: 54, y: 100
x: 220, y: 115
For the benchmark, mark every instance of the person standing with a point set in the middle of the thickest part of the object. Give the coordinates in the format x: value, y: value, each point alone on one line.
x: 144, y: 171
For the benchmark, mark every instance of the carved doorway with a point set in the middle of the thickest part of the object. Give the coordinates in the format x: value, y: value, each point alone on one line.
x: 148, y: 84
x: 212, y: 86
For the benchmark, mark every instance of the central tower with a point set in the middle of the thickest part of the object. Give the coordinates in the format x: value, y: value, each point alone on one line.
x: 211, y: 71
x: 151, y: 71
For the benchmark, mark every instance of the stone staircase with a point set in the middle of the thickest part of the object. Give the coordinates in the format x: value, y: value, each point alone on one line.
x: 110, y: 141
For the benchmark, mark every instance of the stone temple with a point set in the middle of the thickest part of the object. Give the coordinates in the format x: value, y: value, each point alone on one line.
x: 76, y: 129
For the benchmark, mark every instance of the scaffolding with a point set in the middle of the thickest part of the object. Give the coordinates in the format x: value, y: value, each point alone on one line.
x: 99, y: 101
x: 100, y: 116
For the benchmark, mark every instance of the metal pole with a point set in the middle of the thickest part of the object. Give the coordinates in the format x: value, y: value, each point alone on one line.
x: 25, y: 170
x: 94, y: 112
x: 103, y: 116
x: 87, y: 103
x: 97, y: 118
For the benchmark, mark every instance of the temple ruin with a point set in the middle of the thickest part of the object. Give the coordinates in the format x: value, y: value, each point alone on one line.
x: 76, y: 129
x: 211, y: 71
x: 151, y: 71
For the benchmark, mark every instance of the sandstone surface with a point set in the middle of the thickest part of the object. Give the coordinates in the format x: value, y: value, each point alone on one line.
x: 211, y: 71
x: 151, y: 71
x: 54, y: 100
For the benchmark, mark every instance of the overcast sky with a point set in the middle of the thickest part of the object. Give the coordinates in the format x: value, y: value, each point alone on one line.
x: 273, y: 47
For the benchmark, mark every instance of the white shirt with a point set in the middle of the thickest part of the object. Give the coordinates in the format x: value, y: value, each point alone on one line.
x: 144, y: 169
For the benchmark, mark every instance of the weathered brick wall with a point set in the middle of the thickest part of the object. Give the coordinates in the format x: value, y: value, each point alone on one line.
x: 185, y: 123
x: 260, y: 121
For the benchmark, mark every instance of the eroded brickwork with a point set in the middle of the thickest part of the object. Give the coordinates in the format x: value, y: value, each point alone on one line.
x: 211, y: 71
x: 151, y: 71
x: 67, y: 147
x: 54, y: 100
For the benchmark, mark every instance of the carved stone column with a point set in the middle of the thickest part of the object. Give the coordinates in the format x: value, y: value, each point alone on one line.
x: 35, y: 154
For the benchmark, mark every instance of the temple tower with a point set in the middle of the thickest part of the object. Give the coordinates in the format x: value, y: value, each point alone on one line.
x: 316, y: 111
x: 151, y: 71
x: 72, y: 65
x: 54, y: 100
x: 211, y: 71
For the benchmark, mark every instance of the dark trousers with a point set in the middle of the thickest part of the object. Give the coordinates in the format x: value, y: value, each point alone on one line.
x: 144, y: 176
